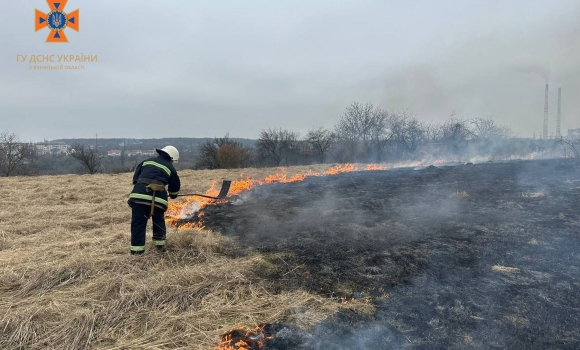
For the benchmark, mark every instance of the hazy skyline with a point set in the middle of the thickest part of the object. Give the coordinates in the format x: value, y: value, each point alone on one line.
x: 206, y: 68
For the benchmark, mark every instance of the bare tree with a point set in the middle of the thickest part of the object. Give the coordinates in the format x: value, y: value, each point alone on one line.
x: 223, y: 153
x: 408, y: 133
x: 208, y: 155
x: 87, y: 156
x: 455, y: 134
x: 232, y: 156
x: 14, y: 155
x: 364, y: 129
x: 431, y: 133
x: 320, y: 140
x: 573, y: 142
x: 487, y: 129
x: 489, y: 138
x: 277, y: 145
x: 356, y: 125
x: 381, y: 133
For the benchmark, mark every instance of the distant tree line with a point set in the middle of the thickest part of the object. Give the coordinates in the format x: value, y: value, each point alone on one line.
x: 363, y: 133
x: 366, y: 133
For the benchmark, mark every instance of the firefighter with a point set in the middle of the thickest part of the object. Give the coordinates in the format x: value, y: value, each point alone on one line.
x: 149, y: 197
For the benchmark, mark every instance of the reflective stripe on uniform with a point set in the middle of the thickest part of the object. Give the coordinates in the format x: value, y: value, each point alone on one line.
x: 166, y: 169
x: 158, y: 242
x: 147, y: 197
x: 157, y: 205
x: 137, y: 248
x: 174, y: 193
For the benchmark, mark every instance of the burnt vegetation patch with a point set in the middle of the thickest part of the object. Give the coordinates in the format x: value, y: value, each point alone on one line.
x: 478, y: 256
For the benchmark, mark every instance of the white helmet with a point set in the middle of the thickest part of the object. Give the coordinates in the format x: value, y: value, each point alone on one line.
x: 171, y: 151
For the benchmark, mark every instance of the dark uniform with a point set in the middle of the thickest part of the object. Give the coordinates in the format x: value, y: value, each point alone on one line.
x: 156, y: 171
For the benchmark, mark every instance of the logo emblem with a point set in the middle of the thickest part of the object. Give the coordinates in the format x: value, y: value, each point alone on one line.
x: 56, y: 20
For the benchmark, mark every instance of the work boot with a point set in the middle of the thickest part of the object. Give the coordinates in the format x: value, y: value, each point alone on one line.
x: 159, y: 244
x: 138, y: 252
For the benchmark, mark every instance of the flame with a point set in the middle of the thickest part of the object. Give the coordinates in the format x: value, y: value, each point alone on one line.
x: 340, y: 169
x: 376, y: 167
x: 182, y: 209
x: 241, y: 338
x: 192, y: 226
x: 275, y: 178
x: 191, y: 206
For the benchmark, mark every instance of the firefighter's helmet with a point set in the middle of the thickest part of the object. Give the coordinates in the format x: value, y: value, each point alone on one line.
x: 171, y: 151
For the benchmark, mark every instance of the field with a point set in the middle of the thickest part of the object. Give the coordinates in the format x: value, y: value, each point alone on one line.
x: 68, y: 281
x: 477, y: 256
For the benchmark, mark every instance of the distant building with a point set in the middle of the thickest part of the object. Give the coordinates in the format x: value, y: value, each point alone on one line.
x: 140, y: 153
x: 114, y: 153
x: 52, y: 147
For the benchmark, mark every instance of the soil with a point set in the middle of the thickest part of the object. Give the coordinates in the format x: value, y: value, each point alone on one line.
x: 482, y: 256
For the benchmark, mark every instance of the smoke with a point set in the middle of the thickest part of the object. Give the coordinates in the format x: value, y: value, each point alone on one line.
x: 540, y: 70
x: 462, y: 256
x: 371, y: 336
x: 331, y: 334
x: 421, y: 89
x: 187, y: 212
x: 501, y: 73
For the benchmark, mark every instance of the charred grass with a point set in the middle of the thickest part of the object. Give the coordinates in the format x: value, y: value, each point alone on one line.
x: 476, y: 256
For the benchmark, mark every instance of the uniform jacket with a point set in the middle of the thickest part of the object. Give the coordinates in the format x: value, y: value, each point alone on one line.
x: 160, y: 170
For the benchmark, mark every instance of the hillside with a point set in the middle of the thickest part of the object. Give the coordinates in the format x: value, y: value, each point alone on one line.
x: 183, y: 143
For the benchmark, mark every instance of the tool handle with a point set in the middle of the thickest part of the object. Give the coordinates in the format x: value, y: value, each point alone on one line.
x: 199, y: 195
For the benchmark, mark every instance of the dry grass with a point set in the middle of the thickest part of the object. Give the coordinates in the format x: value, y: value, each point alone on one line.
x: 69, y: 282
x: 461, y: 195
x: 505, y: 269
x: 533, y: 194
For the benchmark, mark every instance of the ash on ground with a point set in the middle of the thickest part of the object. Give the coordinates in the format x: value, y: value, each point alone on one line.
x: 483, y: 256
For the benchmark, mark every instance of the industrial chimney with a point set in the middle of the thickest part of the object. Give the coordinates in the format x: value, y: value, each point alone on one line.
x: 545, y: 134
x: 559, y: 115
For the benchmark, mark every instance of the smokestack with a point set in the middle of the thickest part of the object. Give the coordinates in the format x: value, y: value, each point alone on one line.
x: 559, y: 115
x: 546, y: 114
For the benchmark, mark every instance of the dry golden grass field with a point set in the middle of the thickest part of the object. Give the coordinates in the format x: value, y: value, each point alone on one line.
x: 69, y: 282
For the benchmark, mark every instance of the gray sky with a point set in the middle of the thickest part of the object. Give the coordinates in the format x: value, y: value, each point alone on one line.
x: 204, y: 68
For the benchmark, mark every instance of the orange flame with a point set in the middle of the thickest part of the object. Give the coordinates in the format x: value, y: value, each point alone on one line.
x: 181, y: 209
x: 192, y: 226
x: 340, y: 169
x: 241, y: 338
x: 376, y: 167
x: 275, y: 178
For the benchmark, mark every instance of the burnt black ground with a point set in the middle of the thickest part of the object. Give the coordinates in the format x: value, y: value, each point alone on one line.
x: 483, y: 256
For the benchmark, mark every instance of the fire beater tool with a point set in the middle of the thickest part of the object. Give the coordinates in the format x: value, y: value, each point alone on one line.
x: 223, y: 192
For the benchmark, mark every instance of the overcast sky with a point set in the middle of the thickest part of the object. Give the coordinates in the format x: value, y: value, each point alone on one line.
x: 205, y: 68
